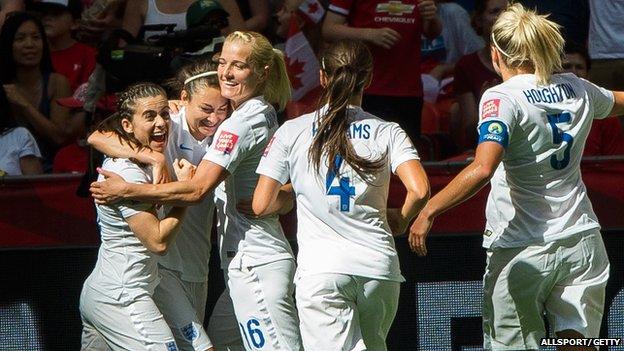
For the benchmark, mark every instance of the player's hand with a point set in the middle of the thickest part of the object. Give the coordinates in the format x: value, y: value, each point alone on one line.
x: 183, y: 169
x: 109, y: 190
x: 384, y: 37
x: 427, y: 9
x: 160, y: 173
x: 175, y: 106
x: 396, y: 221
x: 418, y: 234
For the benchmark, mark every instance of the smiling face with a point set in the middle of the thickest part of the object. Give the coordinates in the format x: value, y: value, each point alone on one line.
x: 237, y: 78
x: 28, y: 45
x: 150, y: 122
x: 205, y: 111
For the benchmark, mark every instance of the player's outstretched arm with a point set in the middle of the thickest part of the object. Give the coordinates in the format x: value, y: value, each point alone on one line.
x: 467, y: 183
x: 618, y: 106
x: 413, y: 176
x: 182, y: 193
x: 109, y: 144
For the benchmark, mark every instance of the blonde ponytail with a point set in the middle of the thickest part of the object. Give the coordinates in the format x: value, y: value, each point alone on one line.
x: 525, y: 38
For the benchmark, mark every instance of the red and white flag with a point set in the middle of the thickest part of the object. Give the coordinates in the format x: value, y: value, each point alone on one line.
x: 312, y: 10
x: 301, y: 62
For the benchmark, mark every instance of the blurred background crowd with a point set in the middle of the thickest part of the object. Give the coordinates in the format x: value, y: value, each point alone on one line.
x: 62, y: 61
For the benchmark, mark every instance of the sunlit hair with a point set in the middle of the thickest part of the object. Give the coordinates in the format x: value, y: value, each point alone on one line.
x: 276, y: 87
x: 348, y: 65
x: 126, y: 107
x: 525, y: 38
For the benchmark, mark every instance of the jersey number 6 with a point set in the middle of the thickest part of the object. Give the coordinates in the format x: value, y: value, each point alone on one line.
x: 255, y: 334
x: 559, y: 137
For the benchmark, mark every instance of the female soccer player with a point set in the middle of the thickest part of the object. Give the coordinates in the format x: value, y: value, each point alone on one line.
x: 255, y: 252
x: 544, y: 249
x: 183, y: 288
x: 116, y: 304
x: 339, y: 160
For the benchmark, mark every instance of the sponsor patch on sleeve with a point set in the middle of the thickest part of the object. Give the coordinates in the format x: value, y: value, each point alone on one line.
x: 495, y: 131
x: 268, y: 147
x: 490, y: 108
x: 226, y: 142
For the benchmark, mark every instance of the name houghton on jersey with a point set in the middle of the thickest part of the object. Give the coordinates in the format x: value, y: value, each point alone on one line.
x: 550, y: 94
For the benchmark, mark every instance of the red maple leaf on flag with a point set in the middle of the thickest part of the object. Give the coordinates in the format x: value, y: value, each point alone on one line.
x: 295, y: 68
x: 312, y: 8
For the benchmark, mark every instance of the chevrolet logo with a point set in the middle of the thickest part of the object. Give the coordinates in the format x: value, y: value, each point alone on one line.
x: 395, y: 8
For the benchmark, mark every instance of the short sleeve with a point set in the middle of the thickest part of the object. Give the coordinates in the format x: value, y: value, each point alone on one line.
x: 230, y: 143
x: 401, y: 148
x: 131, y: 173
x: 601, y: 99
x: 340, y: 7
x: 274, y: 161
x: 27, y: 144
x: 497, y: 118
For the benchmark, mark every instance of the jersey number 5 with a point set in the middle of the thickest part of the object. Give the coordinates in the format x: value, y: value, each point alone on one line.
x: 559, y: 137
x: 345, y: 190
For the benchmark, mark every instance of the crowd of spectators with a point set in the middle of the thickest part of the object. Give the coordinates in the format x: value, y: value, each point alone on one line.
x: 48, y: 69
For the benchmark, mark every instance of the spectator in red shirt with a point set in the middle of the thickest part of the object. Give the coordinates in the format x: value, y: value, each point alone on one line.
x: 606, y: 136
x: 474, y: 74
x: 392, y: 30
x: 74, y: 158
x: 70, y: 58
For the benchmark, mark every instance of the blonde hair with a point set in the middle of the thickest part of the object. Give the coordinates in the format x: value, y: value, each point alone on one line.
x: 276, y: 87
x: 525, y: 38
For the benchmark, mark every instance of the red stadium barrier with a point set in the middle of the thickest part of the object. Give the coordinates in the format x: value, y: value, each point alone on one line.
x: 44, y: 211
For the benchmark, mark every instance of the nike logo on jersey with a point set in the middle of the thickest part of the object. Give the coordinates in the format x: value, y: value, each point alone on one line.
x: 185, y: 147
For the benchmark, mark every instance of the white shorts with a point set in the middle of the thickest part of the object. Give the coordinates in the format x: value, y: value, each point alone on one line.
x: 223, y: 328
x: 183, y: 304
x: 345, y: 312
x: 108, y: 324
x: 264, y: 305
x: 564, y: 279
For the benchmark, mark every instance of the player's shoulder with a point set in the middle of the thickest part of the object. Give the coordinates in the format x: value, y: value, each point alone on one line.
x: 129, y: 170
x: 252, y: 107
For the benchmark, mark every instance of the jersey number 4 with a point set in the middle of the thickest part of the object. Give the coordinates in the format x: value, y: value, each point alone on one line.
x: 345, y: 190
x: 558, y: 137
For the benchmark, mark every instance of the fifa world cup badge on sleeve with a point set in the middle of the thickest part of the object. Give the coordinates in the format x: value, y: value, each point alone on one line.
x: 490, y: 108
x: 226, y: 142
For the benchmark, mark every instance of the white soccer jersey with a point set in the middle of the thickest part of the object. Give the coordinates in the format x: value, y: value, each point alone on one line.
x: 190, y: 252
x: 537, y: 193
x: 239, y: 145
x: 125, y: 269
x: 341, y: 220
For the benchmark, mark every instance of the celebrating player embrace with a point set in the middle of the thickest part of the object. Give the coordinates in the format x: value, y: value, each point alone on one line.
x: 544, y: 249
x: 339, y: 160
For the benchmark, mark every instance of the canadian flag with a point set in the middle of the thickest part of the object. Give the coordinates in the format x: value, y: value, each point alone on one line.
x: 313, y: 10
x: 301, y: 62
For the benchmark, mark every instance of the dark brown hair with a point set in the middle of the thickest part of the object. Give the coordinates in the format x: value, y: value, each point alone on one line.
x: 126, y: 107
x: 348, y: 65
